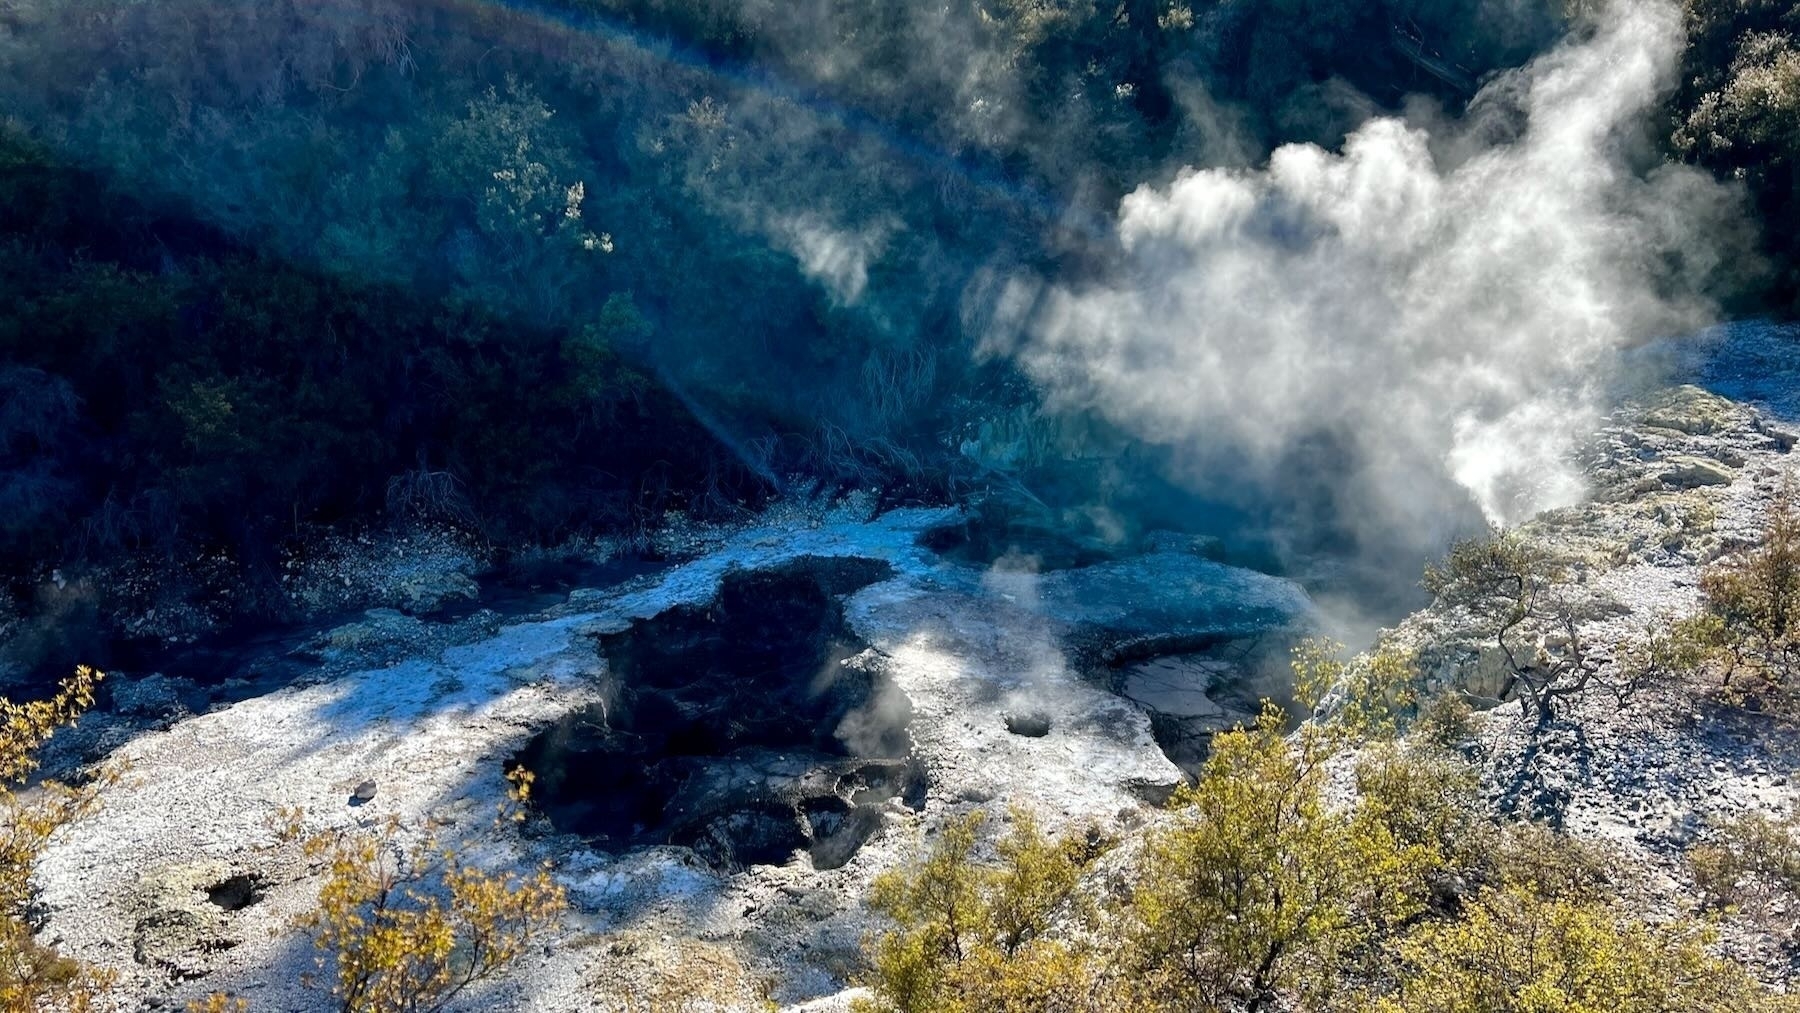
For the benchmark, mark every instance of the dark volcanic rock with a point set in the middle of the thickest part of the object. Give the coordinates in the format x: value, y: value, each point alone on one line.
x: 747, y: 729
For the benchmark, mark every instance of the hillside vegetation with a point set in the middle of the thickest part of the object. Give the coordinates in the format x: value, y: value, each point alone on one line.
x: 541, y: 268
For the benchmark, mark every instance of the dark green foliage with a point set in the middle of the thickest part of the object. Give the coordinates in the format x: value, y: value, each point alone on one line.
x: 167, y: 389
x: 1111, y: 88
x: 797, y: 195
x: 1738, y: 112
x: 544, y: 265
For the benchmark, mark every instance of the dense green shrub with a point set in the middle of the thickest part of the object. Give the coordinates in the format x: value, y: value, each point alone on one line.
x: 1747, y: 633
x: 1517, y: 952
x: 1738, y: 111
x: 166, y: 389
x: 1258, y: 892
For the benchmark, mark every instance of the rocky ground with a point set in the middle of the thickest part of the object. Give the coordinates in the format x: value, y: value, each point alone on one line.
x: 181, y: 885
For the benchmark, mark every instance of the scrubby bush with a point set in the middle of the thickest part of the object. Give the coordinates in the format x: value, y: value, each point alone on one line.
x: 1518, y: 590
x: 1747, y: 632
x: 1258, y: 892
x: 1369, y: 696
x: 1752, y: 607
x: 1445, y: 718
x: 1259, y: 887
x: 1427, y: 798
x: 971, y: 936
x: 33, y: 976
x: 406, y: 929
x: 1256, y: 887
x: 1749, y: 858
x: 1550, y: 863
x: 1514, y: 951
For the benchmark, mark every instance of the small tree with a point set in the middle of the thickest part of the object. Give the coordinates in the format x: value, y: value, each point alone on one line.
x: 1259, y: 887
x: 969, y: 936
x: 1517, y: 588
x: 407, y: 930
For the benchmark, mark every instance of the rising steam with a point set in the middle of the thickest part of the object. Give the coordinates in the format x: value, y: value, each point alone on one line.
x: 1439, y: 304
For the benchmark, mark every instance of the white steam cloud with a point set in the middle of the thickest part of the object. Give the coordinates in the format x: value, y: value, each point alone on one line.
x: 835, y: 258
x: 1441, y: 303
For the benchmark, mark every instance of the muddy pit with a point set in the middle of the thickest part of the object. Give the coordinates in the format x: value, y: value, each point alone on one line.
x: 747, y: 730
x: 984, y: 539
x: 1195, y: 689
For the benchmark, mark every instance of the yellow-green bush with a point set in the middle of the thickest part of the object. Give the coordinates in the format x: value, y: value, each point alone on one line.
x: 1549, y: 863
x: 1750, y: 627
x: 1370, y: 695
x: 1749, y: 858
x: 1257, y: 886
x: 1258, y: 893
x: 1428, y: 798
x: 1445, y: 718
x: 1514, y: 951
x: 969, y: 937
x: 408, y: 929
x: 33, y: 977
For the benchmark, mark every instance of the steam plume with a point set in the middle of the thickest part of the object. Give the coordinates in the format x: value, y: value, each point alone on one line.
x: 1438, y: 304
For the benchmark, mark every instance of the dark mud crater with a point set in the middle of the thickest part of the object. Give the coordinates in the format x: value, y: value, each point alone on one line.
x: 986, y: 539
x: 747, y: 729
x: 1192, y: 688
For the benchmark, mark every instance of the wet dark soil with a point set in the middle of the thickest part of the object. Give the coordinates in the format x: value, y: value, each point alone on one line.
x: 747, y: 729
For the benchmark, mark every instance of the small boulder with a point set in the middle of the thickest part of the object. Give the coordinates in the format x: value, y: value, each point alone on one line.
x: 428, y: 592
x: 377, y: 628
x: 1694, y: 412
x: 1684, y: 472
